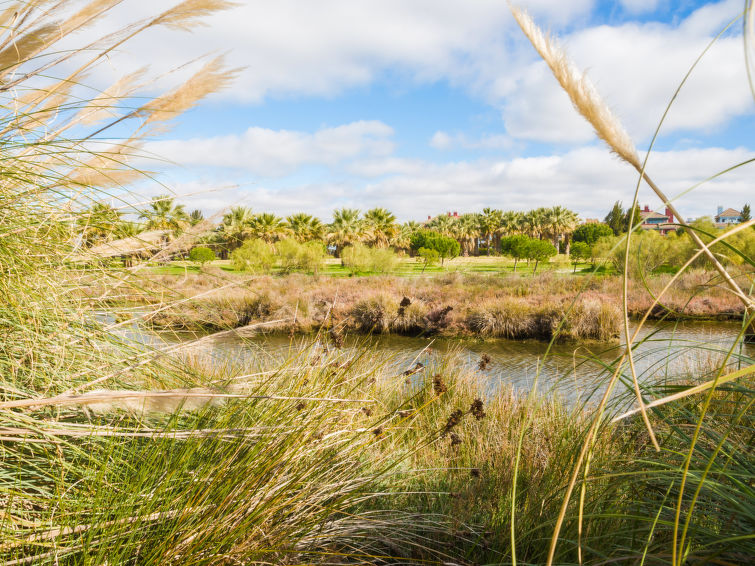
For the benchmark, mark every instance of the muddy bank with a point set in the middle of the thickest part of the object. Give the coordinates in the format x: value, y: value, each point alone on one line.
x: 510, y: 307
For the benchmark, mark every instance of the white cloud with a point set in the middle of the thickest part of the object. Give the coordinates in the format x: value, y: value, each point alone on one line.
x: 587, y: 180
x: 322, y: 48
x: 637, y: 68
x: 279, y: 152
x: 297, y: 48
x: 443, y: 141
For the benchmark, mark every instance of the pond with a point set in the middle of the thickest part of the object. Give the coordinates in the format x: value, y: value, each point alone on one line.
x: 574, y: 370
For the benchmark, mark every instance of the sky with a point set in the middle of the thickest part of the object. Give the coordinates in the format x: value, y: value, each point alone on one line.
x: 429, y: 106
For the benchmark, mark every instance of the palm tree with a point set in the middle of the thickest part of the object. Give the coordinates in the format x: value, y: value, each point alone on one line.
x: 402, y: 239
x: 511, y: 222
x: 305, y: 227
x: 443, y: 224
x: 559, y: 222
x: 128, y: 229
x: 490, y: 220
x: 268, y: 227
x: 533, y: 223
x: 165, y: 215
x: 100, y: 223
x: 236, y: 226
x: 196, y: 217
x: 467, y: 230
x: 347, y: 228
x: 380, y: 226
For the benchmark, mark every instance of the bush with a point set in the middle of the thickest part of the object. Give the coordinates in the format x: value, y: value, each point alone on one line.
x: 591, y: 233
x: 431, y: 257
x: 361, y: 259
x: 356, y: 258
x: 254, y: 256
x: 302, y: 257
x: 447, y: 248
x: 515, y: 247
x: 201, y: 255
x: 539, y: 250
x: 580, y: 252
x: 312, y: 256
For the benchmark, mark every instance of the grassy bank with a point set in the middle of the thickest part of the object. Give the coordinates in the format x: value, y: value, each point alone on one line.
x: 117, y: 451
x: 454, y: 304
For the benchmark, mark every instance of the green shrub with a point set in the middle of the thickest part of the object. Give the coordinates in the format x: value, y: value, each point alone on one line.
x: 289, y: 251
x: 254, y: 256
x: 515, y: 247
x: 591, y: 233
x: 539, y: 250
x: 383, y: 260
x: 201, y: 255
x: 580, y: 252
x: 358, y: 258
x: 431, y: 257
x: 300, y: 257
x: 447, y: 248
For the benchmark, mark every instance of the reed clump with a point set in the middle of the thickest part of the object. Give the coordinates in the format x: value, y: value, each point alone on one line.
x: 485, y: 306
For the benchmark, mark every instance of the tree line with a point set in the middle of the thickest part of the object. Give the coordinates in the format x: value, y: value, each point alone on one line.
x: 475, y: 233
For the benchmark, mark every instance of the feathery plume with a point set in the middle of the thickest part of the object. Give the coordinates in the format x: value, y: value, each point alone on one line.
x: 100, y: 107
x: 189, y: 13
x: 87, y: 15
x: 210, y: 78
x: 26, y: 47
x: 8, y: 16
x: 580, y: 89
x: 107, y: 168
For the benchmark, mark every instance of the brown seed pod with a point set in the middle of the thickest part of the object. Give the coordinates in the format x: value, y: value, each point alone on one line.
x: 477, y: 409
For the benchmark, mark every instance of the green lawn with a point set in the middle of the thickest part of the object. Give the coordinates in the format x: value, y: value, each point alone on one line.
x: 407, y: 267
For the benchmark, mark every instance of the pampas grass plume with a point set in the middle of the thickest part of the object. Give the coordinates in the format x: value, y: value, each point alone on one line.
x: 580, y: 89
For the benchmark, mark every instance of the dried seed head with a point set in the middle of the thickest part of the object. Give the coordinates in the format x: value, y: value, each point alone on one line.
x: 455, y: 439
x: 477, y: 409
x: 439, y: 386
x: 378, y: 431
x: 580, y: 89
x: 453, y: 420
x: 301, y: 405
x: 475, y: 472
x: 404, y: 414
x: 417, y: 367
x: 484, y: 361
x: 337, y: 338
x: 405, y: 302
x: 367, y: 411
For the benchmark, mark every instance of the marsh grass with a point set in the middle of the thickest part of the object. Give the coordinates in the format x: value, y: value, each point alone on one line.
x: 121, y: 449
x: 686, y: 491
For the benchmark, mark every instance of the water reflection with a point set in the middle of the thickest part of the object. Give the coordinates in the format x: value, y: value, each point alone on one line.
x: 574, y: 370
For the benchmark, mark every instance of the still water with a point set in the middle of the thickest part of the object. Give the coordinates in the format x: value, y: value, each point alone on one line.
x: 575, y: 370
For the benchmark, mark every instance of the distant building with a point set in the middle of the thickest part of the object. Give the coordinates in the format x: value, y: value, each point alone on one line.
x: 663, y: 223
x: 727, y: 217
x: 591, y: 221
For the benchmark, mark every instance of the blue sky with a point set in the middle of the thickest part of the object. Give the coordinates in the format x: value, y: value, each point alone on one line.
x: 426, y: 106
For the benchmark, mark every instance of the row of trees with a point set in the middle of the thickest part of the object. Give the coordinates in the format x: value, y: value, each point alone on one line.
x: 475, y: 232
